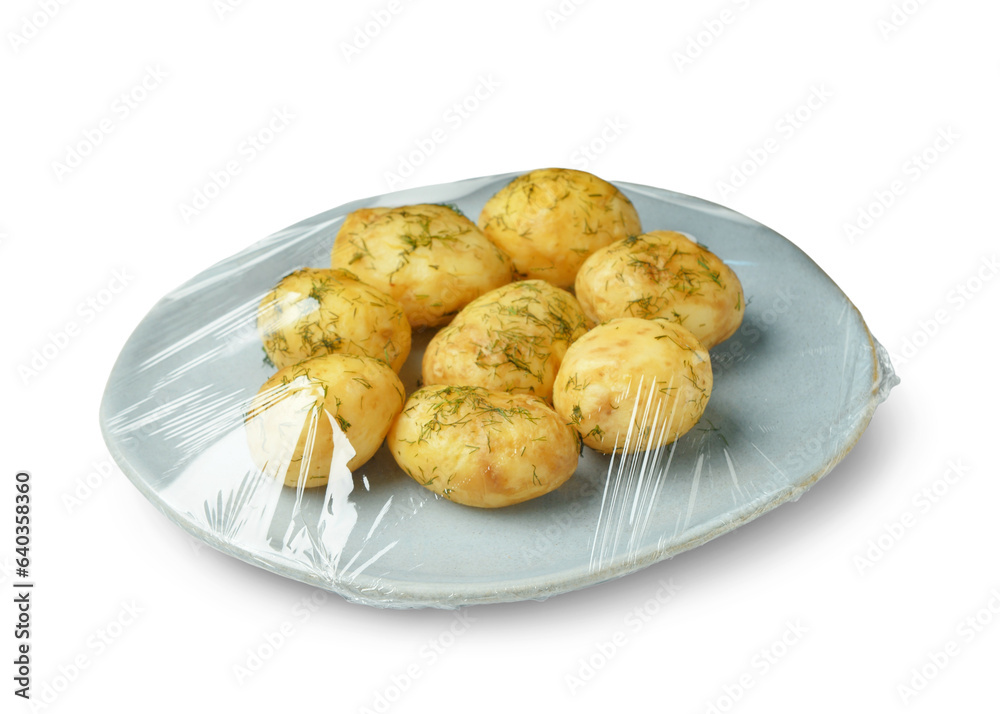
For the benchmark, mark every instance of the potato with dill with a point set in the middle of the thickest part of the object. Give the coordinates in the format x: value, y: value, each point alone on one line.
x: 317, y: 311
x: 430, y: 258
x: 483, y: 448
x: 633, y: 385
x: 511, y: 339
x: 663, y: 274
x: 549, y: 220
x: 290, y: 423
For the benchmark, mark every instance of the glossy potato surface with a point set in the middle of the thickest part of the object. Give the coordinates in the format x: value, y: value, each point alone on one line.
x: 431, y: 259
x: 632, y: 384
x: 663, y: 274
x: 483, y: 448
x: 316, y: 311
x: 511, y: 339
x: 548, y: 221
x: 290, y: 423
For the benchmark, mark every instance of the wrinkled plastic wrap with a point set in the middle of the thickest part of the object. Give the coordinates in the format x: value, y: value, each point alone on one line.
x: 794, y: 389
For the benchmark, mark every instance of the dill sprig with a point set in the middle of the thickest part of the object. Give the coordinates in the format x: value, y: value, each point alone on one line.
x: 453, y: 407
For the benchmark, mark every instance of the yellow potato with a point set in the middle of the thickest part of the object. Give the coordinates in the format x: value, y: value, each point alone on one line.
x: 548, y: 221
x: 430, y: 258
x: 663, y: 274
x: 482, y: 448
x: 290, y: 423
x: 632, y: 384
x: 317, y: 311
x: 511, y: 339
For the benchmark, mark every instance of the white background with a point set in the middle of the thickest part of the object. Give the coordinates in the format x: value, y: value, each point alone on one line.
x: 562, y: 79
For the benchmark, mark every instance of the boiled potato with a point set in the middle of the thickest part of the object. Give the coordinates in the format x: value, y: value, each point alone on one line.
x: 430, y: 258
x: 290, y: 423
x: 663, y: 274
x: 319, y: 311
x: 632, y: 384
x: 548, y: 221
x: 511, y: 339
x: 483, y: 448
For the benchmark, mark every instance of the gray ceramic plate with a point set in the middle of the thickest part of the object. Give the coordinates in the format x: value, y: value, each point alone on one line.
x: 794, y: 390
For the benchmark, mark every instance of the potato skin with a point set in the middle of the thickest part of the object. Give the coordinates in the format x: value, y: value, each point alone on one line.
x: 663, y: 274
x: 430, y: 258
x: 549, y: 220
x: 482, y: 448
x: 298, y: 403
x: 618, y: 370
x: 511, y: 339
x: 317, y: 311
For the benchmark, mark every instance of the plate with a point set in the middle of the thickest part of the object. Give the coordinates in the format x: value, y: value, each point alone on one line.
x: 794, y: 389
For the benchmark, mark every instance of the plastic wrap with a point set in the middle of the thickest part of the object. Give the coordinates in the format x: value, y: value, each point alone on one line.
x: 794, y: 388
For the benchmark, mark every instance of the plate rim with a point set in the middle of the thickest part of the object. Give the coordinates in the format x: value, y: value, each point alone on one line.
x: 404, y: 594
